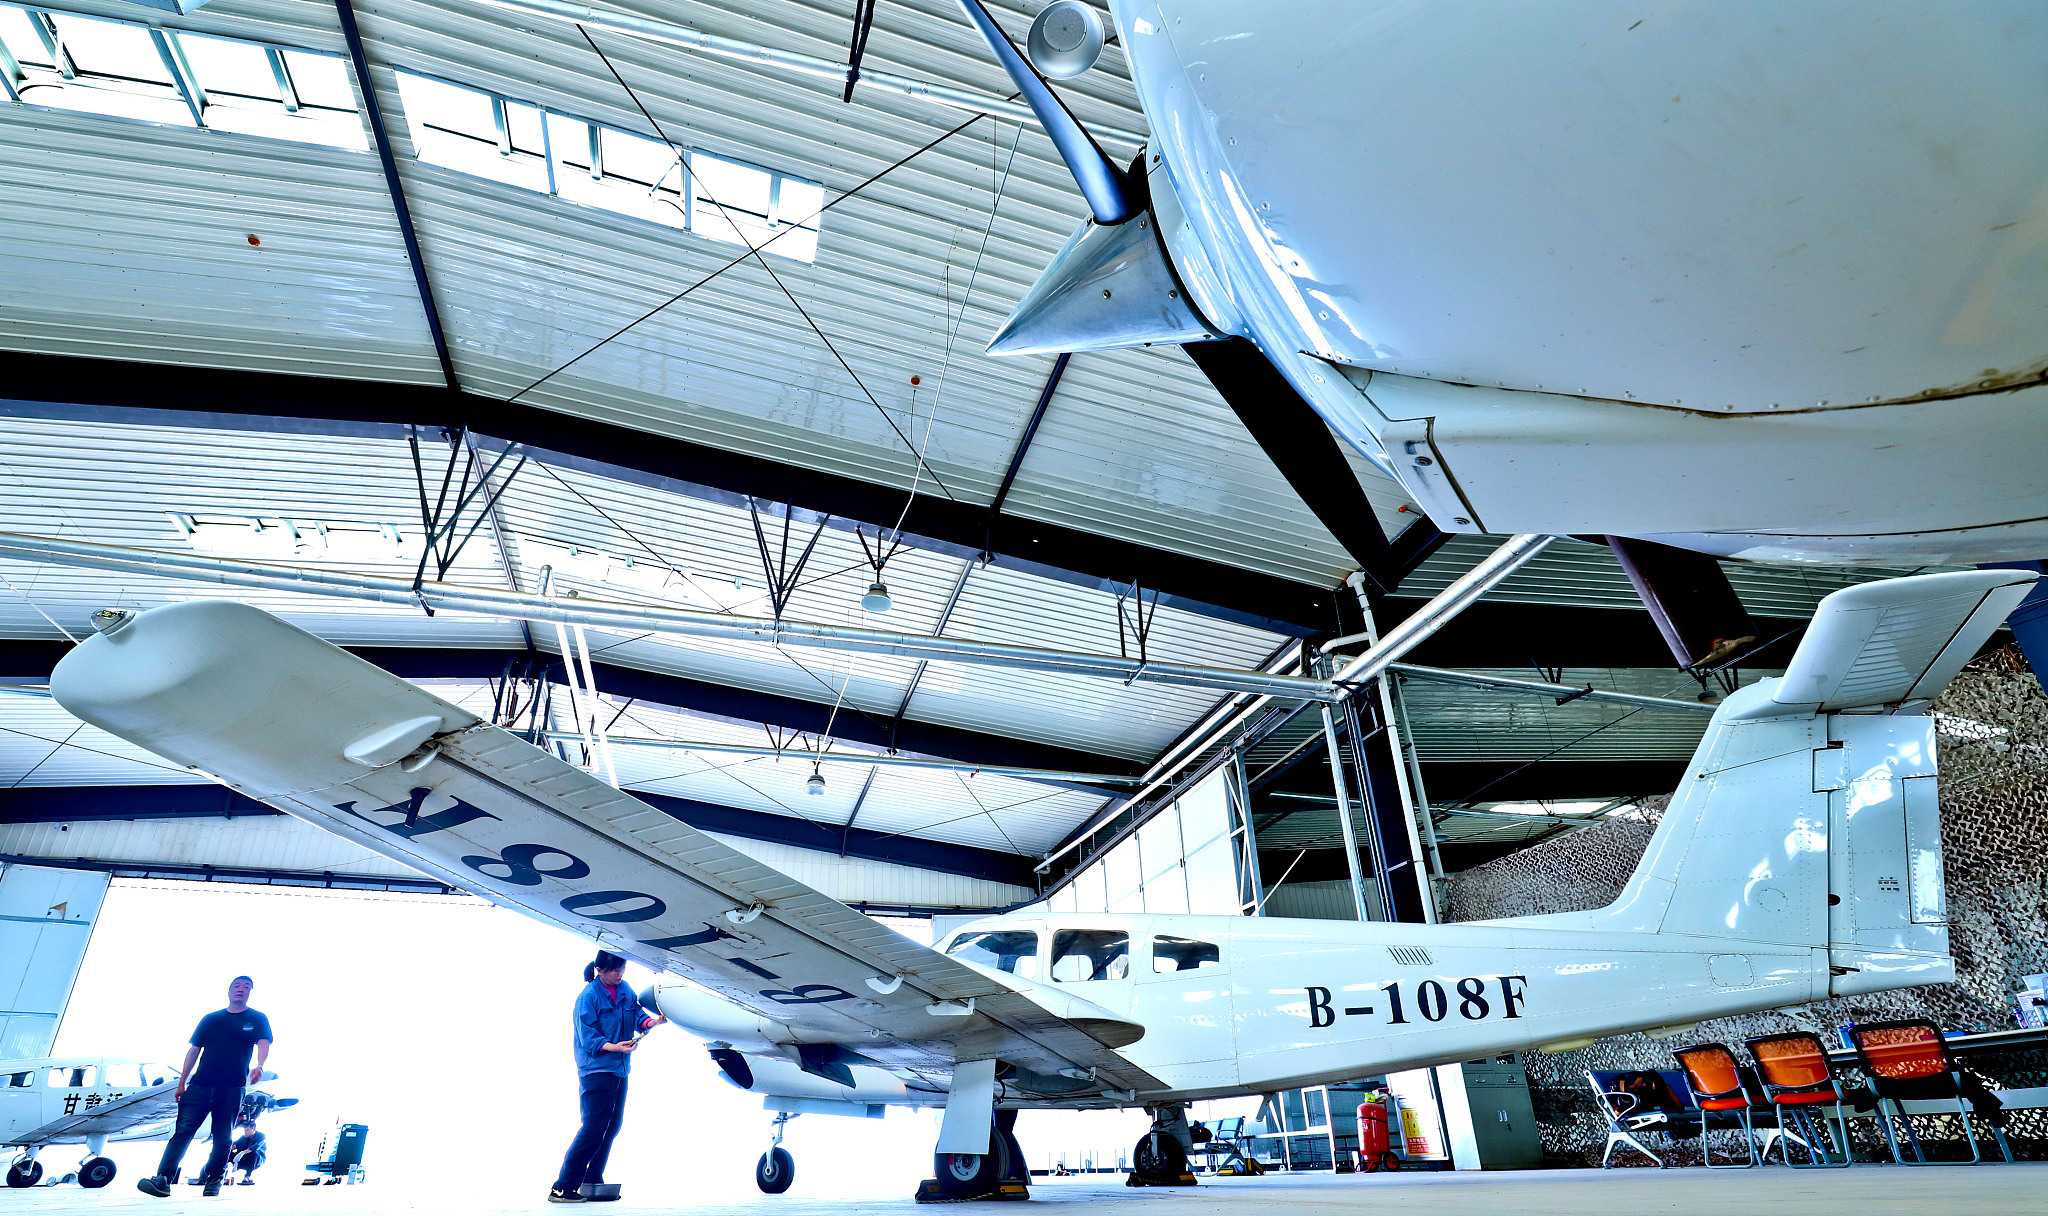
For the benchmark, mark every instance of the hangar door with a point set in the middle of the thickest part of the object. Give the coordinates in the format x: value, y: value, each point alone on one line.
x: 46, y: 920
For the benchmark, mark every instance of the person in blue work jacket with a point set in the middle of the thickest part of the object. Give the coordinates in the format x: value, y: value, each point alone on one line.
x: 608, y: 1026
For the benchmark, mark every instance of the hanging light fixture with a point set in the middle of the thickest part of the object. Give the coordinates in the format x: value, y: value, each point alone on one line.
x: 877, y: 599
x: 815, y: 783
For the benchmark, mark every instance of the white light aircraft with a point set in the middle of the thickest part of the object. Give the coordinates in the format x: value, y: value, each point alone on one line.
x: 1753, y: 279
x: 1799, y: 858
x: 90, y: 1100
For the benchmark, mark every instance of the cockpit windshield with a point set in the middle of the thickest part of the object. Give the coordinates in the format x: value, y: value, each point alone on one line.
x: 1011, y: 950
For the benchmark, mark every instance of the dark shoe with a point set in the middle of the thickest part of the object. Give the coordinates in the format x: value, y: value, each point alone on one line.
x: 558, y: 1195
x: 212, y: 1188
x: 154, y: 1186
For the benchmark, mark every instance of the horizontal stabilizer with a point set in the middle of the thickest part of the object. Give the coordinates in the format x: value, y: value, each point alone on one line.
x: 1899, y: 641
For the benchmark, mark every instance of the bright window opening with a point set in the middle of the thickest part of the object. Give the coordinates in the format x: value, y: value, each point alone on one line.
x: 291, y: 539
x: 475, y: 132
x: 124, y: 70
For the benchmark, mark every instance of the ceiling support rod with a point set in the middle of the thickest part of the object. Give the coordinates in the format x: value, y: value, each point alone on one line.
x: 374, y: 111
x: 646, y: 618
x: 1460, y: 595
x: 995, y: 507
x: 871, y: 759
x: 1562, y: 692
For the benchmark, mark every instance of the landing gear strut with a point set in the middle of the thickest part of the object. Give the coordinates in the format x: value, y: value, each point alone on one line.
x: 999, y: 1173
x: 776, y: 1169
x: 25, y: 1172
x: 1161, y: 1155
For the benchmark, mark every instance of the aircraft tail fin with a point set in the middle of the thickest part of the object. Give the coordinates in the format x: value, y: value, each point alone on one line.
x: 1808, y: 815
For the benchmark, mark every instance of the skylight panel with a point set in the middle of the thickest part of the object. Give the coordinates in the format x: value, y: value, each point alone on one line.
x: 473, y: 132
x: 321, y: 81
x: 109, y: 48
x: 479, y: 133
x: 741, y: 204
x: 169, y: 77
x: 230, y: 67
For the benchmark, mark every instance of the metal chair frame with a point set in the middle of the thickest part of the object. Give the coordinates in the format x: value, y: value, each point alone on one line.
x: 1701, y: 1098
x: 1620, y: 1129
x: 1817, y: 1158
x: 1898, y: 1105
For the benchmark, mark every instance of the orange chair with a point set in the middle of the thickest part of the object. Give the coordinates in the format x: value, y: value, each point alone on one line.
x: 1796, y: 1076
x: 1716, y: 1081
x: 1908, y: 1061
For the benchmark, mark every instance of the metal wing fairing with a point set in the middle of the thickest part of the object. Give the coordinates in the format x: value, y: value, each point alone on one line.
x: 275, y: 713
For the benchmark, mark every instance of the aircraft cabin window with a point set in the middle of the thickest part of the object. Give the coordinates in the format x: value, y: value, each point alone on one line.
x: 155, y: 1074
x: 123, y: 1076
x: 1079, y: 955
x: 1014, y: 951
x: 20, y: 1080
x: 1171, y: 954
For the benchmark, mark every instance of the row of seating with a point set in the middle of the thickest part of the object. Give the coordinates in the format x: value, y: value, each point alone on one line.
x: 1792, y: 1075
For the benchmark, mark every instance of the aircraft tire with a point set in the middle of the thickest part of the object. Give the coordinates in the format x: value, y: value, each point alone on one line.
x: 24, y: 1174
x: 96, y: 1172
x: 972, y: 1175
x: 1159, y: 1155
x: 775, y: 1171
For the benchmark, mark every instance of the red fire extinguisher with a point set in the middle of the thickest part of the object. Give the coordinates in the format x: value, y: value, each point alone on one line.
x: 1373, y: 1151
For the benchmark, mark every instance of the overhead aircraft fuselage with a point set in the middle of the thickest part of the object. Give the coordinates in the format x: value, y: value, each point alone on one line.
x: 1762, y: 281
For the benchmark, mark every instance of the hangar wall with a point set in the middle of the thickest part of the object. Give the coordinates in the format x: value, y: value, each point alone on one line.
x: 1185, y: 859
x: 1994, y: 805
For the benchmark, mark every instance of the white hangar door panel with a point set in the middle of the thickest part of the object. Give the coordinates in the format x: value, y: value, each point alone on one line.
x: 46, y: 920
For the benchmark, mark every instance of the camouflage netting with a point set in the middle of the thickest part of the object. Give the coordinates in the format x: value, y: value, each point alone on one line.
x: 1994, y: 804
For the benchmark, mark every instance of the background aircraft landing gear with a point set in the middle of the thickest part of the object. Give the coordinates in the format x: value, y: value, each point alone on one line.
x: 24, y: 1173
x: 1161, y: 1155
x: 776, y: 1169
x: 95, y: 1172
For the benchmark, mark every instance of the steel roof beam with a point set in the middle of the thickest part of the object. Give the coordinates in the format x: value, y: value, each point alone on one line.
x: 692, y: 622
x: 120, y: 391
x: 31, y: 662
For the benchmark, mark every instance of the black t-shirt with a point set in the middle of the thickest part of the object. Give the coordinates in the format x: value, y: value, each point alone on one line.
x: 226, y: 1041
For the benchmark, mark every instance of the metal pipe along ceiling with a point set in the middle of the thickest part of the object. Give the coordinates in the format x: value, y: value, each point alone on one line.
x: 609, y: 614
x: 809, y: 65
x: 873, y: 759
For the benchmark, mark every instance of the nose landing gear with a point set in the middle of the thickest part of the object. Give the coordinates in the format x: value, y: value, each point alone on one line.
x: 776, y: 1169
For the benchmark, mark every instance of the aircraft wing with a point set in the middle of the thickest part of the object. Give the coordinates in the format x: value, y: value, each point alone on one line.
x: 118, y: 1117
x: 1900, y: 640
x: 275, y: 712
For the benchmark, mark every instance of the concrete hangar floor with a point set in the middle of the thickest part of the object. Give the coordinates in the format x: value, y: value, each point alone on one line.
x: 1622, y: 1192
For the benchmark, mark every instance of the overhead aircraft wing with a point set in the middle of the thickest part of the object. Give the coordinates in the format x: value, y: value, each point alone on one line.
x: 118, y: 1118
x: 1897, y: 641
x: 276, y: 713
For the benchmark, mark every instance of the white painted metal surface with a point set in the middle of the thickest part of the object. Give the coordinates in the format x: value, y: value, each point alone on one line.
x: 1758, y: 292
x: 46, y: 921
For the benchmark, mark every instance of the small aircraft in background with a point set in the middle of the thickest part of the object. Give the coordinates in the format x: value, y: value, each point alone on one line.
x: 92, y: 1100
x: 1800, y: 858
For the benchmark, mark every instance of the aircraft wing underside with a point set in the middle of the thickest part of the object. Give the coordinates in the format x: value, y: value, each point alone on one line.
x: 113, y: 1118
x: 497, y: 816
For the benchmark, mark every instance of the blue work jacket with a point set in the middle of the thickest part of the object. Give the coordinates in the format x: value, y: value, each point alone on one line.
x: 602, y: 1019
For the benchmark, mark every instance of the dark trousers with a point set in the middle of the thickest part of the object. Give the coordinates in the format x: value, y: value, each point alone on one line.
x: 604, y: 1108
x: 248, y: 1160
x: 221, y: 1103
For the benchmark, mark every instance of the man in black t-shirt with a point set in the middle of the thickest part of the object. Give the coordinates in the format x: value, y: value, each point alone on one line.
x: 221, y: 1046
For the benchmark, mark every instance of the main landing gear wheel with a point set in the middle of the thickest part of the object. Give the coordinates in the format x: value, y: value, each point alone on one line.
x: 775, y: 1171
x: 23, y: 1174
x: 95, y: 1173
x: 972, y: 1175
x: 1159, y: 1155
